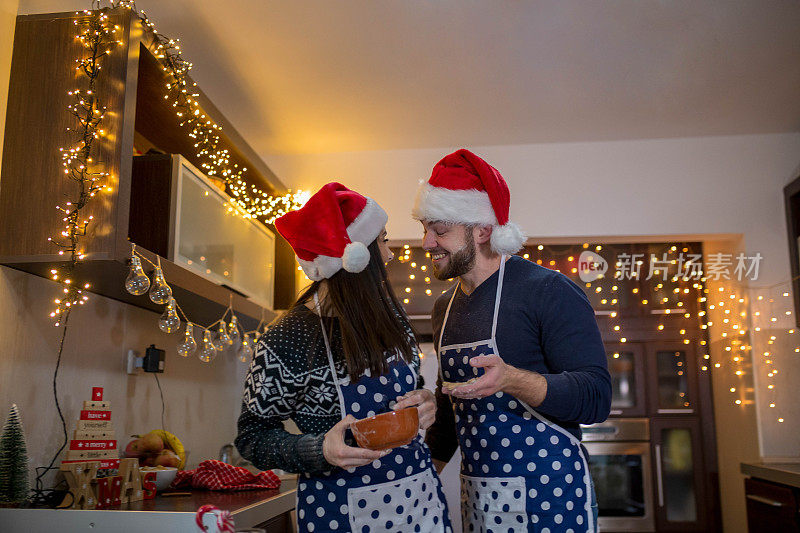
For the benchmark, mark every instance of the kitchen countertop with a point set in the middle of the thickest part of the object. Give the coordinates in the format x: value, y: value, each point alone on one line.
x: 783, y: 473
x: 175, y: 513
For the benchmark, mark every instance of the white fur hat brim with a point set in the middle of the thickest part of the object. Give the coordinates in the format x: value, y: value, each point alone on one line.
x: 470, y: 206
x: 364, y: 229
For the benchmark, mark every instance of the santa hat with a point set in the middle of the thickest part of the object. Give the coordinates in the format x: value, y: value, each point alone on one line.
x: 465, y: 189
x: 332, y: 231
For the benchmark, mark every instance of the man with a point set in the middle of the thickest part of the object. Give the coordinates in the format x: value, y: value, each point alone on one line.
x: 521, y: 361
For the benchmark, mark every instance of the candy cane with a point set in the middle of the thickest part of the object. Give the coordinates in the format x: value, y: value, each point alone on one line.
x: 223, y: 518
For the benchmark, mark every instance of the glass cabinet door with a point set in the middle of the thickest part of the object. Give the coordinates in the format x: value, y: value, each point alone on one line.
x: 626, y: 366
x: 672, y: 369
x: 680, y: 492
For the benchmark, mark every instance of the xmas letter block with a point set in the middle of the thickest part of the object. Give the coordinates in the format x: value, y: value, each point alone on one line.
x: 149, y: 485
x: 80, y: 477
x: 131, y: 480
x: 108, y: 491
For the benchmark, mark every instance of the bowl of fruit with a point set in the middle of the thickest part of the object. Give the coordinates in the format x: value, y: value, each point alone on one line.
x: 157, y: 448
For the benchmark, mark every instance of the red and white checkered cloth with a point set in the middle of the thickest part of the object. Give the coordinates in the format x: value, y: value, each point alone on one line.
x: 216, y: 475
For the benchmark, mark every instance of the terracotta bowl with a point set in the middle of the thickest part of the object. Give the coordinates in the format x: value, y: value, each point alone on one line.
x: 387, y: 430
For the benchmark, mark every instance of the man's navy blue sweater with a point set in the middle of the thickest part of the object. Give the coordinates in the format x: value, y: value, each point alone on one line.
x: 545, y: 325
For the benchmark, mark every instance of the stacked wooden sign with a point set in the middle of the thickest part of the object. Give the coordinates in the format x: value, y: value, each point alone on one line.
x: 97, y: 477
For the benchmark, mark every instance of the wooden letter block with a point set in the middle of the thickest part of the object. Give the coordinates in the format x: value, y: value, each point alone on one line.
x: 131, y: 481
x: 90, y: 455
x: 97, y: 394
x: 104, y: 434
x: 149, y: 485
x: 84, y: 425
x: 89, y: 405
x: 95, y: 415
x: 79, y: 476
x: 108, y: 491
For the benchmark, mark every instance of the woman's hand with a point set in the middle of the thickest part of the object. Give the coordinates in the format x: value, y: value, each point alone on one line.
x: 338, y: 453
x: 425, y: 402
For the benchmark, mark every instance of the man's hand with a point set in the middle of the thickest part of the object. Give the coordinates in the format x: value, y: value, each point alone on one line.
x: 425, y: 402
x: 338, y: 453
x: 498, y: 376
x: 494, y: 379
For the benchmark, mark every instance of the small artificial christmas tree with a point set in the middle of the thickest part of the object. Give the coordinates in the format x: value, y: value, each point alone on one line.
x: 13, y: 460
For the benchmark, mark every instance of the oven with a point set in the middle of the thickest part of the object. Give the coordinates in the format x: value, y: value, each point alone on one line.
x: 619, y: 459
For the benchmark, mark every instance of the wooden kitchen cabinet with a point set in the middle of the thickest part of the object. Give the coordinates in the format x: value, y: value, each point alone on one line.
x: 681, y: 490
x: 672, y: 378
x: 771, y: 507
x: 626, y: 364
x: 139, y: 119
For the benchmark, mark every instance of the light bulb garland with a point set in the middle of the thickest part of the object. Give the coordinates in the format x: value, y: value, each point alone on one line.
x: 227, y: 335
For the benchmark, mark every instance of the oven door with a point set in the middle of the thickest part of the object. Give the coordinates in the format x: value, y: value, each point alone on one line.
x: 622, y: 481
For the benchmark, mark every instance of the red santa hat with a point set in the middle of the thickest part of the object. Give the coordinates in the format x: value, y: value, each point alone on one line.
x: 465, y: 189
x: 332, y: 231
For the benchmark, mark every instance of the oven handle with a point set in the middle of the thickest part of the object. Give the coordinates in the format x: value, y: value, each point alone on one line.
x: 659, y: 479
x: 762, y: 499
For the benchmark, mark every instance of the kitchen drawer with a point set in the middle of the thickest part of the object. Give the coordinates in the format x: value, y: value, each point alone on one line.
x: 771, y: 507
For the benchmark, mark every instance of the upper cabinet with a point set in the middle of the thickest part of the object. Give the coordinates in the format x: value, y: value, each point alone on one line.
x: 210, y: 259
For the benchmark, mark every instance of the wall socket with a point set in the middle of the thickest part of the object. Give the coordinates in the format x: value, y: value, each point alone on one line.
x: 133, y: 362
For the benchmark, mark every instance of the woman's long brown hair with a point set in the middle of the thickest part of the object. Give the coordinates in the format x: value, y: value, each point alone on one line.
x: 372, y: 321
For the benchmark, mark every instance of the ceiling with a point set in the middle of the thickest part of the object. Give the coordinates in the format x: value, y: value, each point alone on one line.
x: 337, y: 76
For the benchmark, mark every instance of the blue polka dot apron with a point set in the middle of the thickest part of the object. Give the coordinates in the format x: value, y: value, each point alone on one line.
x: 400, y: 492
x: 519, y: 471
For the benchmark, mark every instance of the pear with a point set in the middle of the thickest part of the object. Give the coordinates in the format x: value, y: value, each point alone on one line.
x: 152, y: 443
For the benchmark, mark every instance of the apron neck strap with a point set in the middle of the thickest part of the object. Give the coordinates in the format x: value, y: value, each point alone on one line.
x: 497, y: 296
x: 332, y: 366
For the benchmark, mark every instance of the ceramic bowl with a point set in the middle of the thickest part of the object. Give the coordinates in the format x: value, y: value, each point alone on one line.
x: 387, y: 430
x: 164, y: 476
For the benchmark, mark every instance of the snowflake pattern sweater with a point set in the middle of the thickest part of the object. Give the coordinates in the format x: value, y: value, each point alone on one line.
x: 290, y: 378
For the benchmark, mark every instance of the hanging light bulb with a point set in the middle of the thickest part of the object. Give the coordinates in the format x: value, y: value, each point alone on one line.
x: 160, y: 293
x: 188, y: 345
x: 222, y: 340
x: 137, y: 282
x: 169, y: 321
x: 246, y: 350
x: 209, y: 351
x: 233, y: 331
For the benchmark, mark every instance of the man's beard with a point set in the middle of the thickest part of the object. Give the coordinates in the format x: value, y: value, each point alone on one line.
x: 460, y: 262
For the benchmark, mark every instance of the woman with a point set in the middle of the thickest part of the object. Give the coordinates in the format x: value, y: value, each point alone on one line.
x: 343, y: 352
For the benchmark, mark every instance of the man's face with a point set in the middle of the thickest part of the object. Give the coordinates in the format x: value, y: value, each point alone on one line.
x: 452, y: 248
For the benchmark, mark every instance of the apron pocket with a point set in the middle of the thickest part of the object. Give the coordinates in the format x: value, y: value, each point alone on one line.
x: 408, y: 504
x: 493, y: 504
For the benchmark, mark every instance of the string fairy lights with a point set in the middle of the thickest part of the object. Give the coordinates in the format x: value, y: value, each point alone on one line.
x: 685, y: 299
x: 97, y: 37
x: 252, y: 201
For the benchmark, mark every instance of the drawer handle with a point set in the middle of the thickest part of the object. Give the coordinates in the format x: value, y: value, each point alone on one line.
x: 761, y: 499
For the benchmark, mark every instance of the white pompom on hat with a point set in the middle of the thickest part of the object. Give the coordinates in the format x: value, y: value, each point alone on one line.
x: 332, y: 231
x: 465, y: 189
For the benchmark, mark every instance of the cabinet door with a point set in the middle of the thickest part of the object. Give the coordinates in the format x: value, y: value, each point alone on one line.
x: 672, y: 379
x: 680, y: 493
x: 770, y: 507
x: 626, y: 366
